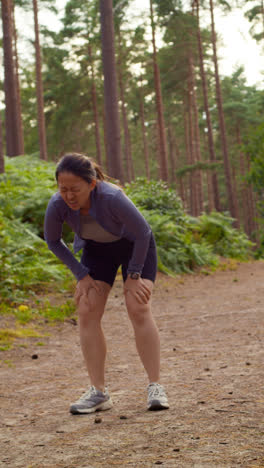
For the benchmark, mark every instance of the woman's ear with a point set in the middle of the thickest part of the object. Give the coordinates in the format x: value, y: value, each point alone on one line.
x: 93, y: 183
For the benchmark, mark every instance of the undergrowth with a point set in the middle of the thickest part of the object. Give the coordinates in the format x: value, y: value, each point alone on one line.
x: 28, y: 269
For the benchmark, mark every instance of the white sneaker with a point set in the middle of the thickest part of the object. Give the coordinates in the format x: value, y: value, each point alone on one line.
x: 157, y: 398
x: 91, y: 401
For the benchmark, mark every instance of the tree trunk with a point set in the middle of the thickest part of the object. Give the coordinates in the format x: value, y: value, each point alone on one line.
x: 2, y: 159
x: 16, y: 62
x: 228, y: 174
x: 163, y: 156
x: 156, y: 140
x: 235, y: 193
x: 193, y: 180
x: 95, y: 111
x: 196, y: 134
x: 13, y: 139
x: 188, y: 191
x: 144, y: 136
x: 213, y: 175
x: 249, y: 213
x: 39, y: 87
x: 113, y: 137
x: 105, y: 143
x: 172, y: 155
x: 128, y: 152
x: 209, y: 181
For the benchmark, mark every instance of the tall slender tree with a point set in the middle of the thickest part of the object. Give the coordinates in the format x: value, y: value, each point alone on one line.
x: 159, y: 104
x: 196, y: 138
x: 110, y: 91
x: 16, y: 63
x: 194, y: 196
x: 2, y: 159
x: 127, y: 140
x: 39, y: 86
x: 173, y: 149
x: 214, y: 182
x: 143, y: 128
x: 227, y: 166
x: 95, y: 109
x: 12, y: 128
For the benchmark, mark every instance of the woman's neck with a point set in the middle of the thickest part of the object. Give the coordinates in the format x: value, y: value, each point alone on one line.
x: 85, y: 209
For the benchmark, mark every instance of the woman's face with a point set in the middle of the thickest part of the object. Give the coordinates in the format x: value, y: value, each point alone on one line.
x: 75, y: 191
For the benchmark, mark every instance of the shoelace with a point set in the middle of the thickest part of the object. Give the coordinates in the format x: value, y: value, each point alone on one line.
x: 156, y: 391
x: 88, y: 394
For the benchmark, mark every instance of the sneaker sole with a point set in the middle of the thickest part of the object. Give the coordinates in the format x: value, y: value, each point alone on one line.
x: 157, y: 406
x: 106, y: 405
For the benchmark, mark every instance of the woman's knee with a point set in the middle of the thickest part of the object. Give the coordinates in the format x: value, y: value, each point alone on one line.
x: 91, y: 307
x: 138, y: 313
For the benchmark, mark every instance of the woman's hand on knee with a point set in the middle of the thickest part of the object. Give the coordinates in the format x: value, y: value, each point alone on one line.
x: 83, y: 286
x: 139, y: 289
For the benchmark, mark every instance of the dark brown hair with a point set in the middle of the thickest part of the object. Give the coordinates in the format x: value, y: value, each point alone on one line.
x: 81, y: 166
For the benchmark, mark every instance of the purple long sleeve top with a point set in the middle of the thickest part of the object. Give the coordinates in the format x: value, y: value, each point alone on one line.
x: 113, y: 210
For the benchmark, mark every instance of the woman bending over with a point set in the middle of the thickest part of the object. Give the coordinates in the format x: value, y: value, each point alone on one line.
x: 112, y: 233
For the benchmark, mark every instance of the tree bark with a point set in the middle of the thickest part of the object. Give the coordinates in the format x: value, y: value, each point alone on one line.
x: 163, y: 155
x: 113, y: 137
x: 13, y: 139
x: 249, y: 212
x: 213, y: 176
x: 172, y: 155
x: 105, y: 143
x: 144, y: 136
x: 39, y: 87
x: 254, y: 228
x: 193, y: 180
x: 188, y: 192
x: 95, y: 111
x: 16, y: 62
x: 235, y: 194
x: 127, y: 140
x: 196, y: 135
x: 228, y: 174
x: 209, y: 181
x: 2, y: 159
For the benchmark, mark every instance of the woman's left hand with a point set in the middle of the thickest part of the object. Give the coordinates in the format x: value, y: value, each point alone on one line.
x: 139, y: 289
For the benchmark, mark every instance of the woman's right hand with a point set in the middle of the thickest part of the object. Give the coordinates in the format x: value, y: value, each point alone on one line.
x: 83, y: 286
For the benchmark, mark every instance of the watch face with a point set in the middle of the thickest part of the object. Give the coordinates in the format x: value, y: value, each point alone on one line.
x: 134, y: 275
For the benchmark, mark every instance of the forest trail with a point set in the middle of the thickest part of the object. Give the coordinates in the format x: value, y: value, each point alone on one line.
x: 212, y: 333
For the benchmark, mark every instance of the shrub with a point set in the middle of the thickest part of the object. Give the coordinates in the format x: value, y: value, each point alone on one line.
x: 177, y: 249
x: 25, y: 190
x: 185, y: 242
x: 26, y: 264
x: 216, y: 229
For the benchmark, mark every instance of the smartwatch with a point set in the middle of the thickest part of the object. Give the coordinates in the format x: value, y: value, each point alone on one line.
x: 134, y: 275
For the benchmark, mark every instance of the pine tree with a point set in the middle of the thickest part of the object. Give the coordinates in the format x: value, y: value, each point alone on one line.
x: 113, y: 137
x: 39, y: 88
x: 163, y: 155
x: 12, y: 119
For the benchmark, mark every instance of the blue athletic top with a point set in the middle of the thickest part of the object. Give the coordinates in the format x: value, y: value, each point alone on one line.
x: 113, y: 210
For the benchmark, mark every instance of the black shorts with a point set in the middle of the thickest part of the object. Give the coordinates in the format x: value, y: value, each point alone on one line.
x: 104, y: 259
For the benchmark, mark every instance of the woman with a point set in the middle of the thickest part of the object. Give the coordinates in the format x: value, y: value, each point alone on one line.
x: 111, y: 232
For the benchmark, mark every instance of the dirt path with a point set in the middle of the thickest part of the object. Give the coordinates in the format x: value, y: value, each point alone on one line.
x: 212, y: 333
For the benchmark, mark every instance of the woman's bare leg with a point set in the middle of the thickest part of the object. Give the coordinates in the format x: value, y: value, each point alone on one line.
x: 146, y: 334
x: 90, y: 311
